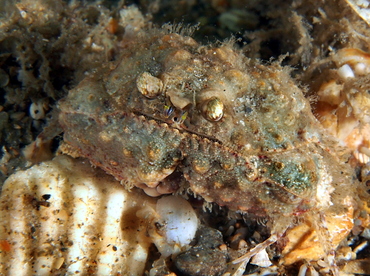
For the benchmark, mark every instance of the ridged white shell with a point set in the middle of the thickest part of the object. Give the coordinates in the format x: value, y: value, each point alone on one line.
x: 88, y: 226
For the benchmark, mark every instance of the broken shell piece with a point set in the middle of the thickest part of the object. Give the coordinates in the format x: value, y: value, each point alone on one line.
x: 179, y: 219
x: 343, y: 102
x: 38, y: 151
x: 38, y: 109
x: 171, y: 224
x: 304, y: 242
x: 307, y: 270
x: 362, y: 155
x: 329, y: 93
x: 65, y: 217
x: 148, y: 85
x: 345, y: 72
x: 176, y: 225
x: 261, y: 259
x: 361, y: 8
x: 356, y: 58
x: 358, y: 140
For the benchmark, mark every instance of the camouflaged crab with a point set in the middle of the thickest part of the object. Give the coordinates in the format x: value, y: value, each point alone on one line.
x: 238, y: 133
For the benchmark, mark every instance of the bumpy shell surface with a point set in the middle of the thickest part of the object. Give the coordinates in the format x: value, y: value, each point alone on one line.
x: 241, y: 133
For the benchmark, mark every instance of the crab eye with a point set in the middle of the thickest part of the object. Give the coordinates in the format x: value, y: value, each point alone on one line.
x: 213, y: 109
x: 182, y: 117
x: 168, y: 110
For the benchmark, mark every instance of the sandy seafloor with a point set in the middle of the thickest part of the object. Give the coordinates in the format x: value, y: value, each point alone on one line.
x: 48, y: 47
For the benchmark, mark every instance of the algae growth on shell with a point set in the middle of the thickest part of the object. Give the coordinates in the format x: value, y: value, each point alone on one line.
x: 266, y: 154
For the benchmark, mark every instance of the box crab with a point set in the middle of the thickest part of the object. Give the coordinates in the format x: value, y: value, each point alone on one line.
x: 173, y: 114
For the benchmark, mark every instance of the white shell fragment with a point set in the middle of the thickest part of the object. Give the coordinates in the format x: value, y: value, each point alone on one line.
x: 172, y: 224
x: 179, y: 219
x: 63, y: 217
x: 261, y: 259
x: 362, y: 8
x: 345, y: 72
x: 37, y: 109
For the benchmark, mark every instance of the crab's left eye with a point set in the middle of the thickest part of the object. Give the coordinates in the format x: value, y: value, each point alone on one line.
x: 213, y: 109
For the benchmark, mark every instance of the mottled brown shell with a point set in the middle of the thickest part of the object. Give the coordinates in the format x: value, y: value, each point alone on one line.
x: 241, y: 133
